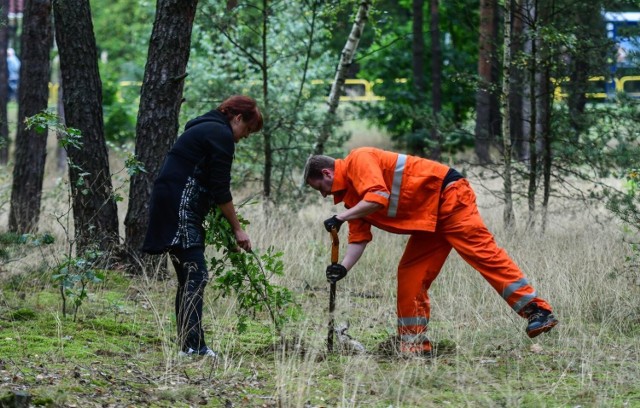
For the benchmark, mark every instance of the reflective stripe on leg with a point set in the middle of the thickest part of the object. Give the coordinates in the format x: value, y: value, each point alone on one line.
x: 413, y: 321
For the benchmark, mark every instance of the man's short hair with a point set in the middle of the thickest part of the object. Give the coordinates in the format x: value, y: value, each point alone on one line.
x: 315, y: 164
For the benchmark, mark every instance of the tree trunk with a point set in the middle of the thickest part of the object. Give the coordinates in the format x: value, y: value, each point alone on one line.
x: 527, y: 48
x: 315, y: 14
x: 337, y: 87
x: 516, y: 118
x: 581, y: 63
x: 547, y: 160
x: 160, y: 101
x: 487, y: 54
x: 417, y: 47
x: 33, y: 95
x: 532, y: 79
x: 417, y: 145
x: 545, y: 90
x: 4, y: 95
x: 494, y: 97
x: 61, y: 153
x: 266, y: 132
x: 508, y: 216
x: 436, y: 80
x: 94, y: 208
x: 545, y: 136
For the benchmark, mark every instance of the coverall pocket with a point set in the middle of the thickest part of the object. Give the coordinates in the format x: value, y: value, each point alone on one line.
x: 455, y: 198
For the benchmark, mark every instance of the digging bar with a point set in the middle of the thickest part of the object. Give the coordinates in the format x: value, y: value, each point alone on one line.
x: 335, y: 248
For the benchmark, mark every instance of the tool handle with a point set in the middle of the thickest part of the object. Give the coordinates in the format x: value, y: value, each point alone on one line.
x: 335, y: 246
x: 335, y: 249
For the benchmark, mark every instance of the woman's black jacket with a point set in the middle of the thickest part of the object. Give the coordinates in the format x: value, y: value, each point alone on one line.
x: 196, y: 174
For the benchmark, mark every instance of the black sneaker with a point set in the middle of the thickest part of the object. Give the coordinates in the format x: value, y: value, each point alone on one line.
x: 540, y: 320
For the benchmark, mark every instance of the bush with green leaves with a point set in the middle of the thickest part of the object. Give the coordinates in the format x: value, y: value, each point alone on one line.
x: 247, y: 275
x: 626, y: 205
x: 74, y: 274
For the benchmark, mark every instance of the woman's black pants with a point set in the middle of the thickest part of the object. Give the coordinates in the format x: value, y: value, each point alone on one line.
x: 193, y: 276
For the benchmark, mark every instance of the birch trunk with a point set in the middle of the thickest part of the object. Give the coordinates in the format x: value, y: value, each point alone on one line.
x: 337, y: 87
x: 508, y: 216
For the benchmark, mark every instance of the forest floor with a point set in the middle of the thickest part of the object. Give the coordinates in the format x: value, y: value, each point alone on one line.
x: 119, y: 352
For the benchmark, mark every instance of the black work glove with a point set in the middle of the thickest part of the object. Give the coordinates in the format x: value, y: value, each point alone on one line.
x: 335, y: 272
x: 333, y: 222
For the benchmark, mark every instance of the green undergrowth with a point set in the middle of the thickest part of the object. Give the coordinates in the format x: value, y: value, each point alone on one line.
x: 117, y: 347
x: 120, y: 351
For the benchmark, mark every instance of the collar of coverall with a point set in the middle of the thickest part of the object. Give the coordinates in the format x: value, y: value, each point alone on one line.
x: 339, y: 186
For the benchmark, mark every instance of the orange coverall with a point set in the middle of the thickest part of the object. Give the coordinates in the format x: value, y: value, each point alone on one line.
x: 410, y: 189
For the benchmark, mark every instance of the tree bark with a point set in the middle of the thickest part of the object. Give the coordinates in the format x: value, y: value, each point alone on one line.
x: 94, y: 209
x: 4, y: 95
x: 545, y: 111
x: 508, y: 215
x: 33, y: 94
x: 61, y: 153
x: 417, y: 145
x: 520, y: 148
x: 266, y: 131
x: 417, y: 47
x: 436, y: 80
x: 532, y: 79
x: 487, y: 54
x: 346, y: 59
x: 581, y: 63
x: 545, y: 137
x: 160, y: 101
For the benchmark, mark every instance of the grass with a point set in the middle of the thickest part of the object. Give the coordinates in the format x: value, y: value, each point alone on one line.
x: 121, y: 350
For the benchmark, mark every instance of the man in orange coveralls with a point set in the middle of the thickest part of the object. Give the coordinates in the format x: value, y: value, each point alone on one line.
x: 435, y: 205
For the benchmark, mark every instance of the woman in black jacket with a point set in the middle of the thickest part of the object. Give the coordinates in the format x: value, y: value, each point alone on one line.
x: 196, y: 175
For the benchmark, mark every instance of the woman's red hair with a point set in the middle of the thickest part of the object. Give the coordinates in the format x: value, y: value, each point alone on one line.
x: 245, y: 107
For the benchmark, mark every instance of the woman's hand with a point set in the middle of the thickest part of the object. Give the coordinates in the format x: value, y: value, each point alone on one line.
x: 242, y: 239
x: 229, y: 212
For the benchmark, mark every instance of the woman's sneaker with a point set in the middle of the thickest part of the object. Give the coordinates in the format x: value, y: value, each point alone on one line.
x: 203, y: 351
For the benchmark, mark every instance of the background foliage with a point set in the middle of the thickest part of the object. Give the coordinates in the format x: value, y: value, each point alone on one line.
x: 387, y: 61
x: 273, y: 57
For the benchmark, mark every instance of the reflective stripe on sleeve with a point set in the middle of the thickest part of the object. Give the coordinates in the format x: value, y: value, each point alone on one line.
x: 382, y: 194
x: 395, y: 187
